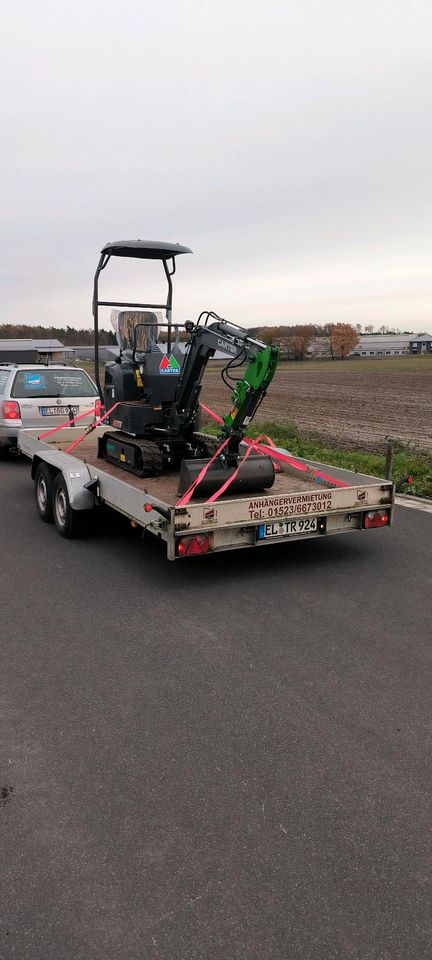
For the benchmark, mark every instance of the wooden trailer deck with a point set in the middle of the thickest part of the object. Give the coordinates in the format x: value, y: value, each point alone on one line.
x: 165, y: 487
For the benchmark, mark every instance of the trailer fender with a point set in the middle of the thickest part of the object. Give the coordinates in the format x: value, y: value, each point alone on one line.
x: 76, y: 475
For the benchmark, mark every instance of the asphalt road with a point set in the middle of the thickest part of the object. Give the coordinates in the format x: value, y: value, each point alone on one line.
x: 217, y: 759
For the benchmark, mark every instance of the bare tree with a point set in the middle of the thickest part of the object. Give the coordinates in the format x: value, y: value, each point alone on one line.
x: 298, y: 343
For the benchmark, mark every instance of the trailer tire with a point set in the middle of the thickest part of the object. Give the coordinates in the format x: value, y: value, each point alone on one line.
x: 44, y: 482
x: 69, y: 523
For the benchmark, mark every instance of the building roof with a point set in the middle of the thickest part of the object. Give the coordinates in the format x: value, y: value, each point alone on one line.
x: 367, y: 340
x: 377, y: 338
x: 29, y: 344
x: 389, y: 341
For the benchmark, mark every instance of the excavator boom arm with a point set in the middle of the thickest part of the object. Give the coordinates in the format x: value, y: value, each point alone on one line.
x: 234, y: 342
x: 251, y: 390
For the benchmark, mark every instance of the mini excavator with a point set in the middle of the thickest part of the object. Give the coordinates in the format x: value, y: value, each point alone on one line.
x: 153, y: 391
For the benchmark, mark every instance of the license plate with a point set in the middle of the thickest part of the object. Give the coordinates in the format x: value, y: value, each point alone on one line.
x: 287, y: 528
x: 57, y: 411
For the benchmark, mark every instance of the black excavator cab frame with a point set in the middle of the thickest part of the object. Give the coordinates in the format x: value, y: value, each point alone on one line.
x: 141, y: 250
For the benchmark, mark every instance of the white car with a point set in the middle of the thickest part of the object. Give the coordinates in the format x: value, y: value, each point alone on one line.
x: 36, y: 396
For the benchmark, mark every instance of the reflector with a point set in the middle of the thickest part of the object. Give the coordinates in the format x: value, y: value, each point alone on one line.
x: 191, y: 546
x: 377, y: 518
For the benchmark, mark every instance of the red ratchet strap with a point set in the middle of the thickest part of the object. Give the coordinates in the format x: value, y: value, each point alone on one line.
x: 189, y: 492
x: 91, y: 427
x: 263, y: 436
x: 215, y: 496
x: 219, y: 420
x: 253, y: 445
x: 284, y: 458
x: 187, y: 495
x: 67, y: 423
x: 275, y: 456
x: 211, y: 413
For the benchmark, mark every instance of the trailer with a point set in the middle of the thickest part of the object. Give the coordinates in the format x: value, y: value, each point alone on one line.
x: 307, y: 500
x: 146, y: 458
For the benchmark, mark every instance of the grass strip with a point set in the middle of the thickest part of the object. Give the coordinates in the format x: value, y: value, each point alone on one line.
x: 406, y: 461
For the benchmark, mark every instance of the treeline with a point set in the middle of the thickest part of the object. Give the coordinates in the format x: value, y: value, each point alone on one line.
x: 335, y: 340
x: 324, y: 330
x: 69, y: 336
x: 283, y: 331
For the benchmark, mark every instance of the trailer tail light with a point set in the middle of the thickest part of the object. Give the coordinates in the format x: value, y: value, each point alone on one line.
x: 191, y: 546
x: 376, y: 518
x: 10, y: 410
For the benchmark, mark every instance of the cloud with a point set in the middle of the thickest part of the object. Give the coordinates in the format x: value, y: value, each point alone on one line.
x: 289, y: 146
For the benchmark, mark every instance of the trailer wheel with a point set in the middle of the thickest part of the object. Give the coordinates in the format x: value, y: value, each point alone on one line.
x: 69, y: 523
x: 44, y: 482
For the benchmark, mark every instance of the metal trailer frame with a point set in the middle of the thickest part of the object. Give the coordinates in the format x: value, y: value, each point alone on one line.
x: 232, y: 522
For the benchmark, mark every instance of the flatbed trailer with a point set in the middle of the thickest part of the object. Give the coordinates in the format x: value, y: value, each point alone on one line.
x: 297, y: 507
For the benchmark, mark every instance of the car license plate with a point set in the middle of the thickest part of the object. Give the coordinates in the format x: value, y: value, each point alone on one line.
x: 287, y: 528
x: 57, y: 411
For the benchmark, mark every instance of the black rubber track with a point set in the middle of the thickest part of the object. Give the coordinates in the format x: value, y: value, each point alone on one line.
x: 150, y: 456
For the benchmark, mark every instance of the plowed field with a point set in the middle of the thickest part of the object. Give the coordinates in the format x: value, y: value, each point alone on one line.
x: 351, y: 404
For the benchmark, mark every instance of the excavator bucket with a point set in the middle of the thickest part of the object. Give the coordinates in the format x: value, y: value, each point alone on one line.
x: 256, y: 473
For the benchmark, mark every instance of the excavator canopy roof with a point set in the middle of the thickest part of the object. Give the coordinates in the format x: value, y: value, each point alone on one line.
x: 144, y: 249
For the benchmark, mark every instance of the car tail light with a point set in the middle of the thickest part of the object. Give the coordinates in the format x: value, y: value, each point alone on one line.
x: 376, y: 518
x: 191, y: 546
x: 10, y: 410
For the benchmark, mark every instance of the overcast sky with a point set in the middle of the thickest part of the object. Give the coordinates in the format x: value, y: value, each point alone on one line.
x: 288, y: 144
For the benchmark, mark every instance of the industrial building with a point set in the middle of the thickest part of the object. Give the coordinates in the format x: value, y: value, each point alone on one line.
x: 34, y: 351
x: 87, y: 353
x: 107, y: 353
x: 392, y: 345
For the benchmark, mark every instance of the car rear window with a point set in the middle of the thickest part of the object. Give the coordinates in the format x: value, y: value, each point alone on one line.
x: 4, y: 377
x: 52, y: 383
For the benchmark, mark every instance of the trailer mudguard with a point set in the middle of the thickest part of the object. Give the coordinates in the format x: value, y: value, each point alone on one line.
x: 75, y: 473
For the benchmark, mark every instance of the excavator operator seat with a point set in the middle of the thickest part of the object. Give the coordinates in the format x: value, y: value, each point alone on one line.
x: 124, y: 323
